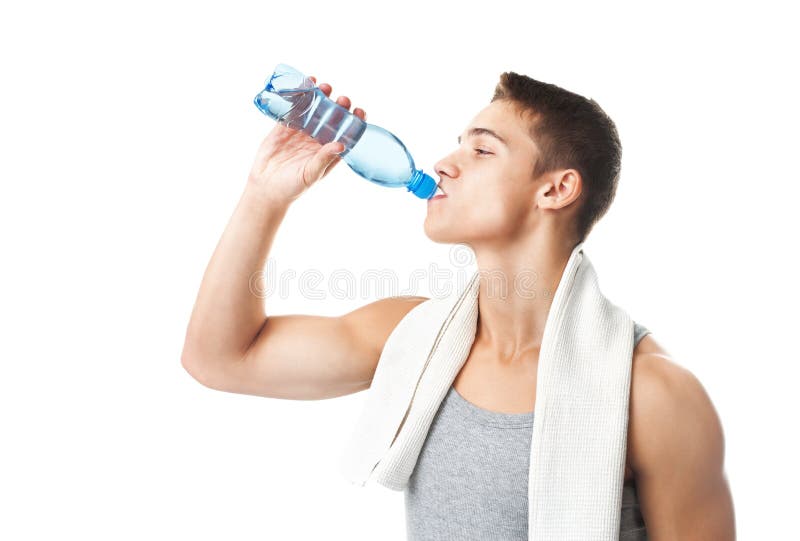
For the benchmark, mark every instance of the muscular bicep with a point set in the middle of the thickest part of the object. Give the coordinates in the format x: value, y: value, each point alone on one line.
x: 309, y: 357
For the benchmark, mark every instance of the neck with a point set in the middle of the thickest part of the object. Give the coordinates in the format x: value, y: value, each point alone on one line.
x: 517, y: 285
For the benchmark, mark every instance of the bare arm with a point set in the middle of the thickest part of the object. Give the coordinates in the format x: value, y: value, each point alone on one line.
x: 306, y: 357
x: 228, y: 314
x: 677, y: 449
x: 230, y: 343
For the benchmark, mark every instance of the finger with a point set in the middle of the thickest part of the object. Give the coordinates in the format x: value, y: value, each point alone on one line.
x: 314, y: 79
x: 344, y: 101
x: 321, y: 162
x: 326, y: 89
x: 360, y: 113
x: 333, y: 148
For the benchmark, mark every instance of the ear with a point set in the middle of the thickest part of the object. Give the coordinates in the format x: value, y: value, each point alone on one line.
x: 559, y: 189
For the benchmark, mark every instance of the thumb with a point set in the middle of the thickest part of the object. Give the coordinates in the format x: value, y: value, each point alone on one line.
x: 319, y: 165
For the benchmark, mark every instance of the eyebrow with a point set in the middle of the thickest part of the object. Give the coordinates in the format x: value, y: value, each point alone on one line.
x: 483, y: 131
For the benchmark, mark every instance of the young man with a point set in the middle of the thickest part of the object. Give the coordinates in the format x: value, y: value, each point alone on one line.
x: 531, y: 175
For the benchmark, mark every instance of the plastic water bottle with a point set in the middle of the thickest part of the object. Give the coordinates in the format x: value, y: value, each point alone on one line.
x: 376, y: 154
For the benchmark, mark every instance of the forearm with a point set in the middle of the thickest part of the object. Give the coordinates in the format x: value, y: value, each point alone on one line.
x: 229, y: 311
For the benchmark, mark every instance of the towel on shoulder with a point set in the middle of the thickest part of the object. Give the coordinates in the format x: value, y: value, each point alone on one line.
x: 578, y: 445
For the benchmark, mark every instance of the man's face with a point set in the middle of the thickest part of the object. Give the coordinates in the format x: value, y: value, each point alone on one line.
x: 490, y: 191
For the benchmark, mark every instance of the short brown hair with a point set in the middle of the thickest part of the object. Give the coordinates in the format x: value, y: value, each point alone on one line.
x: 571, y: 131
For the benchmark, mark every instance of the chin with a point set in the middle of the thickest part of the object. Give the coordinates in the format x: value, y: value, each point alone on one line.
x: 442, y: 233
x: 435, y: 232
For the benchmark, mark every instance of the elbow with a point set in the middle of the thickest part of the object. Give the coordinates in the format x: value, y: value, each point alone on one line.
x: 199, y: 370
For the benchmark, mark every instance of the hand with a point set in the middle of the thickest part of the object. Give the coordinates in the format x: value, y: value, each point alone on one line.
x: 289, y: 161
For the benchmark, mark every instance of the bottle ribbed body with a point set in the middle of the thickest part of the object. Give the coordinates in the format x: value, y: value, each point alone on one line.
x: 375, y: 153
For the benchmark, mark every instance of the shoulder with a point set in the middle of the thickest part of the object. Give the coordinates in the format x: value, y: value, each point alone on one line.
x: 676, y: 449
x: 669, y: 408
x: 377, y: 321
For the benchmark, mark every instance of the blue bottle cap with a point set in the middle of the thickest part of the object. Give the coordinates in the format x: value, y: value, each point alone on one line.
x: 422, y: 185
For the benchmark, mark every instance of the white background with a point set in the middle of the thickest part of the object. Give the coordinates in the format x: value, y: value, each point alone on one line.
x: 126, y: 134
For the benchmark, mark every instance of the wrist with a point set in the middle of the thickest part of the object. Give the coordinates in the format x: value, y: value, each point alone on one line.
x: 265, y: 199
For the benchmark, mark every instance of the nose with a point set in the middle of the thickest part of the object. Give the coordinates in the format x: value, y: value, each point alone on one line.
x: 446, y: 167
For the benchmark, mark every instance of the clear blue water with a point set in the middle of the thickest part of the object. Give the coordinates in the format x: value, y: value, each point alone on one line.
x: 371, y: 151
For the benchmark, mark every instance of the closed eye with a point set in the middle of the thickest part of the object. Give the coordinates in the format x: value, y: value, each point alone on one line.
x: 481, y: 151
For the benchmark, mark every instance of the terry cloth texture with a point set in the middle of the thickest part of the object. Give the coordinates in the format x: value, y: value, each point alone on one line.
x: 471, y: 478
x: 578, y: 443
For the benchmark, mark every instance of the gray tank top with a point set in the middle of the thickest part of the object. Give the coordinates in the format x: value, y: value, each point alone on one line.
x: 471, y: 478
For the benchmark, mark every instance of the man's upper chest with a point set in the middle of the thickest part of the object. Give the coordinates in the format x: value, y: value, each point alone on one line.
x: 510, y: 387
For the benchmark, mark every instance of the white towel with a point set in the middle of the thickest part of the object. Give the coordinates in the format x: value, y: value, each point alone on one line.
x: 578, y: 445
